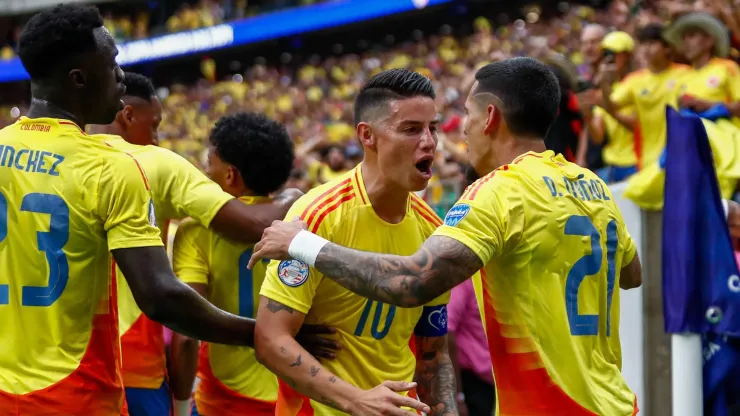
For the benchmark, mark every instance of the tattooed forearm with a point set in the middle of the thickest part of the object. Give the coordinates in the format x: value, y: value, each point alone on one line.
x: 435, y: 376
x: 438, y: 266
x: 275, y: 306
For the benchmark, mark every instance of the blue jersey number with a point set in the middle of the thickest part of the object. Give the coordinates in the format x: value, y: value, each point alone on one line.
x: 588, y: 265
x: 374, y: 329
x: 246, y: 284
x: 50, y: 242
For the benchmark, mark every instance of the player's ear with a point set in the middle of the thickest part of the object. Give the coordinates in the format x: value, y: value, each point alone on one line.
x: 232, y: 176
x: 77, y: 78
x: 493, y: 119
x: 128, y: 115
x: 365, y: 134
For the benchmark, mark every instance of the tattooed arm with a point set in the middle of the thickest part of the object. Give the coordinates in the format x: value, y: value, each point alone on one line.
x: 277, y: 349
x: 436, y: 375
x: 439, y: 265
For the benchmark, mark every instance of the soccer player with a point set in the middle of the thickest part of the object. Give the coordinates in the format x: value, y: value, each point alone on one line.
x: 243, y: 148
x: 551, y: 241
x: 372, y: 207
x: 66, y: 202
x: 178, y: 190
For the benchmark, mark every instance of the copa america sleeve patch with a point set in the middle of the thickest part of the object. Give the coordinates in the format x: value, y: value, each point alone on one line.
x: 456, y: 214
x: 152, y: 214
x: 293, y: 272
x: 433, y: 322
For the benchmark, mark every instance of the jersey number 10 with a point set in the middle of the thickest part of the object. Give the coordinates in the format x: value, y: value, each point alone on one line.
x: 50, y: 242
x: 588, y: 265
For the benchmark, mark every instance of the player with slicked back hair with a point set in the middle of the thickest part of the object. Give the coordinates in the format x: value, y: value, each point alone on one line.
x: 73, y: 201
x: 371, y: 207
x: 178, y: 190
x: 547, y: 237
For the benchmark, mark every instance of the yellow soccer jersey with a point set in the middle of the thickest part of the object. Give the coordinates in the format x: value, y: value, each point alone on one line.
x: 650, y: 93
x: 375, y: 337
x: 201, y: 256
x: 66, y: 200
x: 179, y: 190
x: 717, y: 81
x: 553, y: 243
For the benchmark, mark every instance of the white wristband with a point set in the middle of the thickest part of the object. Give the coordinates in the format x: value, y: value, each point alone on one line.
x: 306, y: 247
x: 182, y: 407
x: 726, y: 207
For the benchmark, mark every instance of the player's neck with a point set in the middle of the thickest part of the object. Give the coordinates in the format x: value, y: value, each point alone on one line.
x: 113, y: 129
x: 44, y: 108
x: 701, y: 61
x: 517, y: 147
x: 388, y: 200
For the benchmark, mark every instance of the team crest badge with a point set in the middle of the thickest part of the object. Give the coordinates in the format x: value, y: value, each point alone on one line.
x: 456, y: 214
x: 152, y: 214
x: 671, y: 83
x: 713, y: 81
x: 293, y: 272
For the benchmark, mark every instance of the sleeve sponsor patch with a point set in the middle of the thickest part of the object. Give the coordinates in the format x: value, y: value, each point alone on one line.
x: 456, y: 214
x: 293, y: 273
x: 433, y: 322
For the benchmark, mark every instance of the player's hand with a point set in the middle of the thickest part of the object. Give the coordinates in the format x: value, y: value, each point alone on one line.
x: 276, y: 241
x: 310, y: 337
x: 385, y: 400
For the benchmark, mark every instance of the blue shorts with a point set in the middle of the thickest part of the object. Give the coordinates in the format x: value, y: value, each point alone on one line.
x: 149, y: 402
x: 612, y: 174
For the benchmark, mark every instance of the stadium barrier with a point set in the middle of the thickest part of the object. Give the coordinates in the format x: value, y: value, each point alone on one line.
x: 646, y: 347
x: 260, y: 28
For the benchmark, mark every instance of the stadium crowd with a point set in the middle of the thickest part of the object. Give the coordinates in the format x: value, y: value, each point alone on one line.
x: 605, y: 60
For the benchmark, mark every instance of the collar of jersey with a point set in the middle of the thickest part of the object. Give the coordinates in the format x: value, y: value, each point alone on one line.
x: 59, y: 123
x: 362, y: 192
x: 254, y: 199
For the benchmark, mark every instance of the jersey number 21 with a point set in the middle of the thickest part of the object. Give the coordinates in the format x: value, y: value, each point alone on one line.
x: 588, y: 265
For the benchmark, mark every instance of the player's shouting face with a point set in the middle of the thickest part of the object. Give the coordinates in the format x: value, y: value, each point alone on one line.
x: 399, y: 133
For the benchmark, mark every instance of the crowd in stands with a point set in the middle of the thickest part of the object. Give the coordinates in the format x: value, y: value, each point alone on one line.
x: 140, y: 24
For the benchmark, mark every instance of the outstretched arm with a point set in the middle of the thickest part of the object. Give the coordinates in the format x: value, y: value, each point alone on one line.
x: 439, y: 265
x: 407, y: 281
x: 245, y: 223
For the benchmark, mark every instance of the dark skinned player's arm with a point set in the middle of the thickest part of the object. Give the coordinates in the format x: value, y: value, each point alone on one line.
x: 246, y: 223
x: 165, y: 299
x: 184, y: 358
x: 277, y: 349
x: 435, y: 375
x: 407, y: 281
x: 630, y: 276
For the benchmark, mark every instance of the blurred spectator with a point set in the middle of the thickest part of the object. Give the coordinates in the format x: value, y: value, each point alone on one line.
x: 589, y: 154
x: 565, y: 132
x: 469, y: 352
x: 613, y: 129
